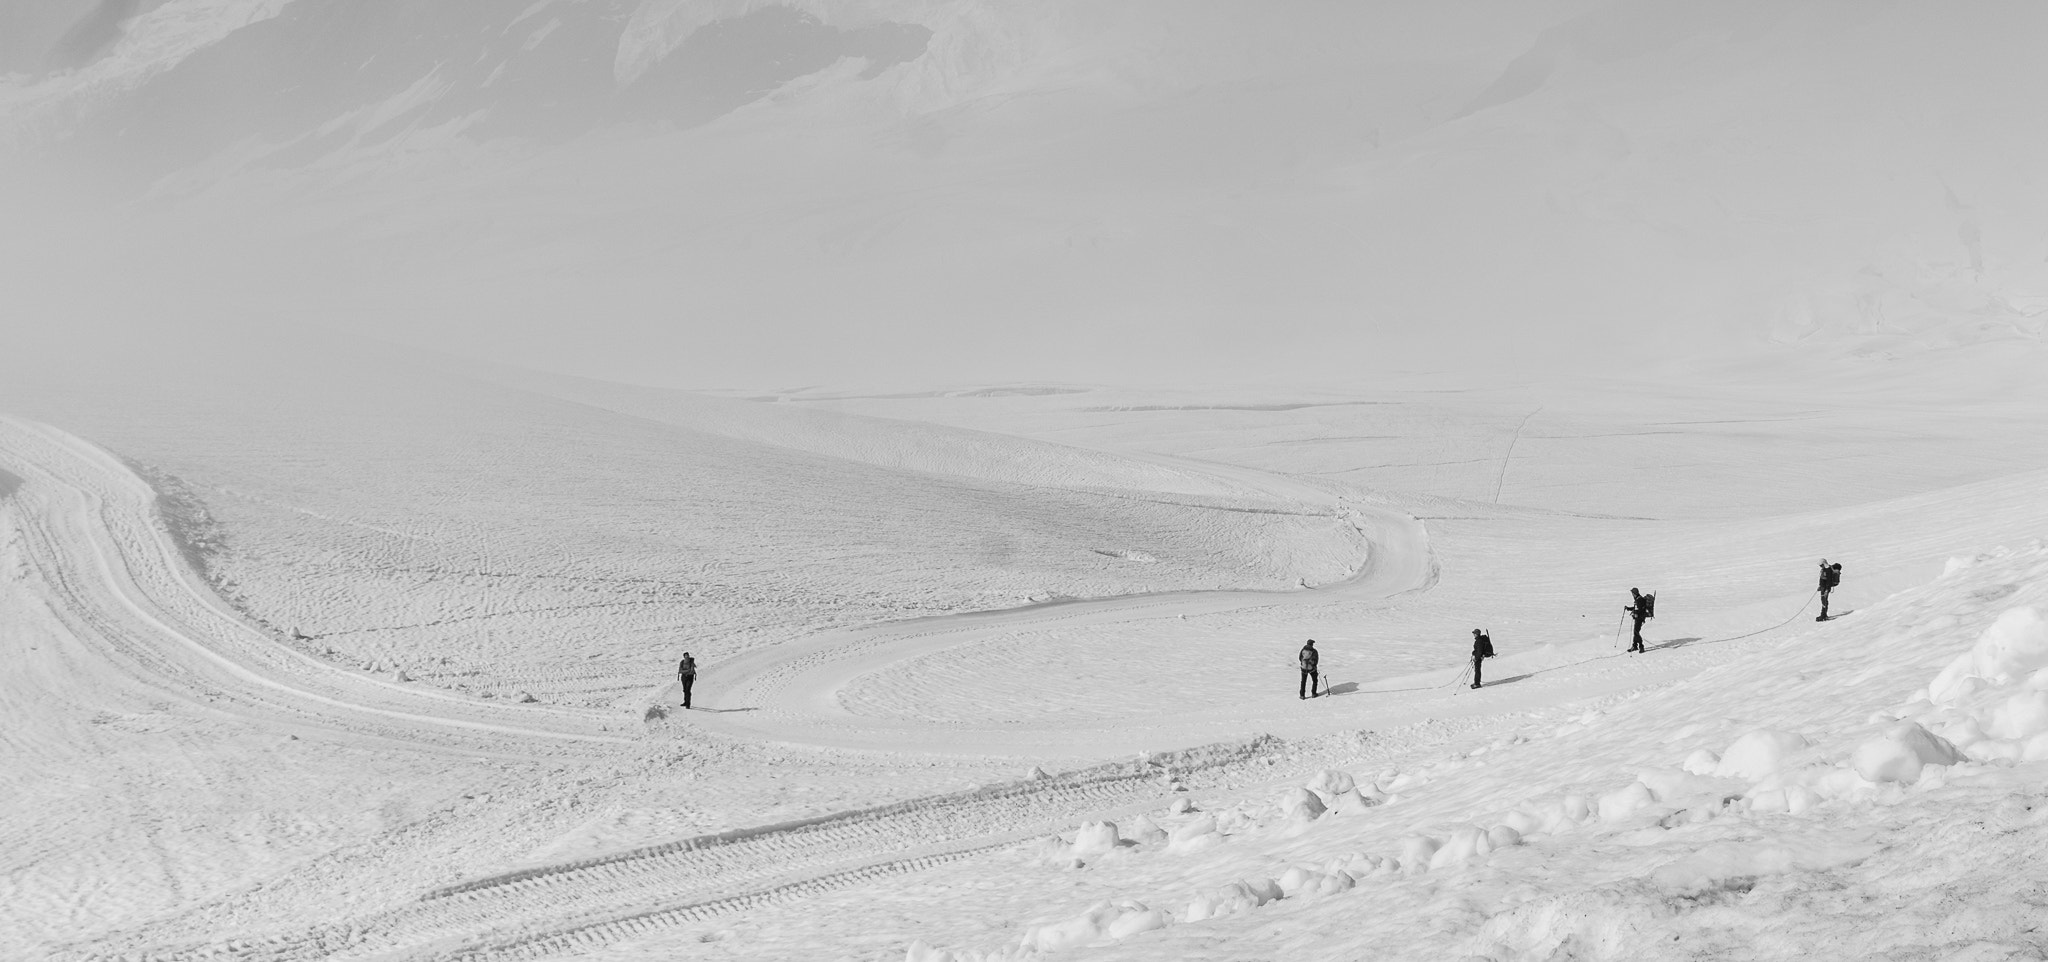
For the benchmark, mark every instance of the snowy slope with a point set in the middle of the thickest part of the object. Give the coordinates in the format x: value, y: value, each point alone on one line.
x: 861, y: 790
x: 508, y: 543
x: 1805, y: 795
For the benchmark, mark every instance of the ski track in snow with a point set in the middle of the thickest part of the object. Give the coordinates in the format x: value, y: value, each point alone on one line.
x: 94, y: 526
x: 799, y: 689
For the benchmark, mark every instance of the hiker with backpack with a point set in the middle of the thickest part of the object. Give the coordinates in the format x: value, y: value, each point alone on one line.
x: 1644, y: 609
x: 1482, y: 649
x: 1830, y: 579
x: 1309, y: 659
x: 686, y: 675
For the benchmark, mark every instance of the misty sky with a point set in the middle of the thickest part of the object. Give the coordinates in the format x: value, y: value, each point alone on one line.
x: 719, y: 193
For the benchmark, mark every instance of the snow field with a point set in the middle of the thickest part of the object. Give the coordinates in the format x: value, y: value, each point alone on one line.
x: 1808, y: 772
x: 1736, y: 760
x: 1769, y: 437
x: 545, y: 546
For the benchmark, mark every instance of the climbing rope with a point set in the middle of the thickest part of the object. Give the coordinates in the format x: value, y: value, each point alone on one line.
x: 1465, y: 676
x: 1759, y: 631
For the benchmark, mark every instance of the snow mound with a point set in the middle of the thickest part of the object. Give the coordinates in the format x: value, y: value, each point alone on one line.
x: 1198, y: 833
x: 1095, y: 838
x: 1626, y: 801
x: 1353, y: 802
x: 1899, y: 754
x: 1103, y: 921
x: 1759, y: 754
x: 1330, y: 782
x: 1301, y: 805
x: 1145, y: 831
x: 2016, y: 644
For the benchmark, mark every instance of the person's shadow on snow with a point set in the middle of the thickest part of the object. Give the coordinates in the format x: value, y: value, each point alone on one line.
x: 721, y: 711
x: 1345, y: 688
x: 1675, y: 643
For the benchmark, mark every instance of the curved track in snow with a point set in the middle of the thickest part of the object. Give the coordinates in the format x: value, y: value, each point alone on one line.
x: 793, y: 692
x: 92, y: 534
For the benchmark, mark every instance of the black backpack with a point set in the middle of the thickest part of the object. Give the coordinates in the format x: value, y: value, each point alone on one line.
x: 1646, y: 605
x: 1831, y: 576
x: 1483, y: 645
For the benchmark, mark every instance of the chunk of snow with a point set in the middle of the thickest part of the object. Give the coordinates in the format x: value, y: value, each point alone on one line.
x: 1524, y: 822
x: 1330, y: 782
x: 1331, y: 883
x: 2015, y: 645
x: 1081, y: 930
x: 1095, y: 838
x: 1462, y: 845
x: 1145, y: 831
x: 1232, y: 821
x: 1900, y: 752
x: 1198, y: 834
x: 1300, y: 805
x: 1793, y: 800
x: 1304, y: 882
x: 1675, y: 786
x: 1227, y: 899
x: 1134, y: 918
x: 1701, y: 762
x: 1292, y: 880
x: 2021, y: 717
x: 1103, y: 920
x: 920, y: 952
x: 1964, y: 732
x: 1352, y: 803
x: 1416, y: 850
x: 1759, y: 753
x: 1626, y: 801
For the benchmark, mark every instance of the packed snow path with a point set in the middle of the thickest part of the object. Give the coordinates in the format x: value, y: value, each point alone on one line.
x: 92, y: 535
x: 795, y: 692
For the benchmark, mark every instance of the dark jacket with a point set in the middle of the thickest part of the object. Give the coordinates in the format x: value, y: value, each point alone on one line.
x: 1482, y: 645
x: 686, y: 669
x: 1309, y: 658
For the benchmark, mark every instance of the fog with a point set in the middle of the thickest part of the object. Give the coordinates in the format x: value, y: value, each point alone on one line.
x: 725, y: 193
